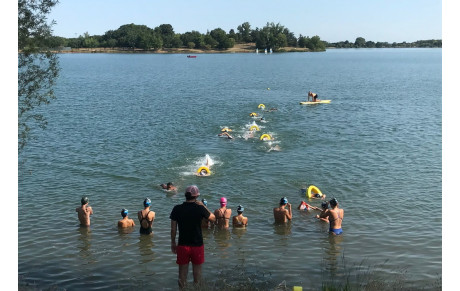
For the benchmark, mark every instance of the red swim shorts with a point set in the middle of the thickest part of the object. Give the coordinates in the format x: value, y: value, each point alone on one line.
x: 185, y: 254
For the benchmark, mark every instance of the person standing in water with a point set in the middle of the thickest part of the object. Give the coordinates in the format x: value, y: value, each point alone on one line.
x: 146, y: 217
x: 335, y: 216
x: 282, y: 214
x: 84, y: 212
x: 126, y: 221
x: 223, y: 214
x: 188, y: 217
x: 239, y: 220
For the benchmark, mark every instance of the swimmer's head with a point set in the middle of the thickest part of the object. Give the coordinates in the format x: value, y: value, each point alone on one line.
x: 124, y: 212
x: 325, y: 205
x: 84, y: 200
x: 205, y: 202
x: 192, y: 192
x: 240, y: 209
x: 223, y: 201
x: 203, y: 172
x: 333, y: 202
x: 169, y: 185
x: 147, y: 202
x: 163, y: 186
x: 283, y: 201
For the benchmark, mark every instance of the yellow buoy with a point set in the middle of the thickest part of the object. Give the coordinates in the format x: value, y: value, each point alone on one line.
x: 265, y: 137
x: 205, y: 170
x: 312, y: 191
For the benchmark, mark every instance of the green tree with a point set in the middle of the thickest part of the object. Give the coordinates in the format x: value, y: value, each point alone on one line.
x: 222, y: 39
x: 360, y: 42
x: 176, y: 41
x: 166, y: 33
x: 244, y: 31
x: 38, y: 67
x: 209, y: 41
x: 193, y: 36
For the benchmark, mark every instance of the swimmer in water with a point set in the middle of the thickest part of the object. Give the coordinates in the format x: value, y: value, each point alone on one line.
x: 84, y: 212
x: 169, y: 187
x: 283, y: 213
x: 146, y: 217
x: 126, y: 221
x: 275, y: 148
x: 223, y: 214
x: 205, y: 172
x: 324, y: 206
x: 223, y: 134
x: 335, y: 216
x: 239, y: 220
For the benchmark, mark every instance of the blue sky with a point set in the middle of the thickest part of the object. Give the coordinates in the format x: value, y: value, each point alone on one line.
x: 332, y: 20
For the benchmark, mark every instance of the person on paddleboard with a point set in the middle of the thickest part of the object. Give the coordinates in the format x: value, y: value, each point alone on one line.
x: 313, y: 96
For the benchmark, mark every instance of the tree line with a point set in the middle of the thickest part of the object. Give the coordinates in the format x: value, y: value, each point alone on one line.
x: 361, y: 42
x: 271, y: 36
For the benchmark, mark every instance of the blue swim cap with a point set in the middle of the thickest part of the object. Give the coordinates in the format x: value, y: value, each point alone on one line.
x: 124, y: 212
x: 283, y: 201
x: 240, y: 209
x: 147, y: 202
x: 204, y: 202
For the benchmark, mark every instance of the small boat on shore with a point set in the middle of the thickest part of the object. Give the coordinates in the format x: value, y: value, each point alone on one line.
x: 189, y: 56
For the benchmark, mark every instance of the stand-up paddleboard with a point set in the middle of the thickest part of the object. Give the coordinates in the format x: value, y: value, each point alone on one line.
x: 312, y: 102
x: 312, y: 191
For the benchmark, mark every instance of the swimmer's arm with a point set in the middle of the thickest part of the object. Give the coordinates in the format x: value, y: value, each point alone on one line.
x: 289, y: 212
x: 324, y: 214
x: 173, y: 235
x: 89, y: 209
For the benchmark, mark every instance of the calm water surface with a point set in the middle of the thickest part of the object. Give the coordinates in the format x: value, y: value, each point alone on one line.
x: 122, y: 124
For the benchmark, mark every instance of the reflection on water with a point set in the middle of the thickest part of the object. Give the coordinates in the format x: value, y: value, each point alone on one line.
x: 282, y: 228
x: 146, y: 248
x: 332, y: 252
x: 84, y: 244
x: 222, y: 237
x: 239, y: 231
x: 123, y: 231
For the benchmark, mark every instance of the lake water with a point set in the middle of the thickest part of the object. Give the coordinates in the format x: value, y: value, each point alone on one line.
x: 124, y: 123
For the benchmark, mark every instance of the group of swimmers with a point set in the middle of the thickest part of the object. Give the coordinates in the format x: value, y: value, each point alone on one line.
x: 282, y: 214
x: 333, y: 215
x: 225, y: 132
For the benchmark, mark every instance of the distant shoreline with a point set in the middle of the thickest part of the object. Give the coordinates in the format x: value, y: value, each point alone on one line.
x: 238, y: 48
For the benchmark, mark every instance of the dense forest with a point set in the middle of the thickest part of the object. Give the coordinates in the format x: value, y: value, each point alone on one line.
x: 271, y: 36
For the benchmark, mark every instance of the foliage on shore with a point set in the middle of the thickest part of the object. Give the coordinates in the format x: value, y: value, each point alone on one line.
x: 162, y: 38
x: 271, y: 36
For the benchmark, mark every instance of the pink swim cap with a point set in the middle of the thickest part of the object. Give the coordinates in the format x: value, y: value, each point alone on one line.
x: 223, y: 201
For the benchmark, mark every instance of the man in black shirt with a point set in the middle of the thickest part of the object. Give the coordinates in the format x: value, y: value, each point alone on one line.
x: 188, y: 216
